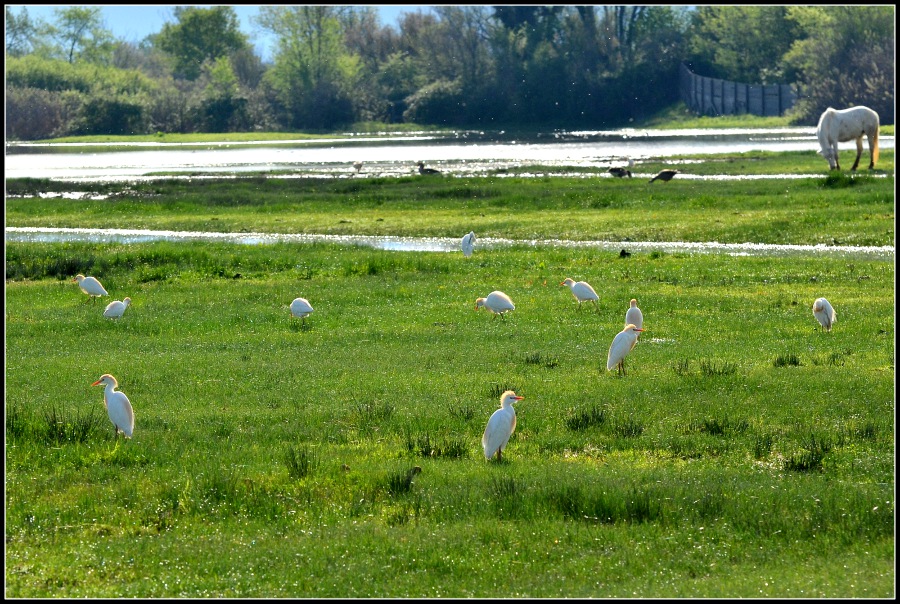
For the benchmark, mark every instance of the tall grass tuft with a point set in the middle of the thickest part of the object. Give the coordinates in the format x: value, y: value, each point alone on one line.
x: 628, y: 428
x: 422, y: 446
x: 498, y: 389
x: 585, y: 418
x: 300, y: 462
x: 786, y: 360
x: 810, y: 459
x: 762, y: 445
x: 399, y: 482
x: 62, y: 426
x: 712, y: 368
x: 536, y: 358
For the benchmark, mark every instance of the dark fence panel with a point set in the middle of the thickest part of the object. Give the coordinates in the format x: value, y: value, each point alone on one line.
x: 711, y: 96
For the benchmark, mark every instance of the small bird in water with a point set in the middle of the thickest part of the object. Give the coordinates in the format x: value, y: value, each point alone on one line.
x: 665, y: 175
x: 468, y: 244
x: 497, y: 302
x: 500, y: 426
x: 116, y: 309
x: 824, y: 313
x: 424, y: 170
x: 357, y: 165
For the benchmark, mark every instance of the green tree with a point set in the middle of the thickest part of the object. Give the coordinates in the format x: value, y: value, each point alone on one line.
x: 82, y: 35
x: 743, y: 43
x: 200, y: 35
x: 313, y: 73
x: 22, y: 32
x: 845, y: 58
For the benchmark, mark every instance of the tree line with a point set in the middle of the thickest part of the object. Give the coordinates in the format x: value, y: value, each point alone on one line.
x: 460, y: 66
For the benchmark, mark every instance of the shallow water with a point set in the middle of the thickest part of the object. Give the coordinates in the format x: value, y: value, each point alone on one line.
x: 463, y: 153
x: 438, y: 244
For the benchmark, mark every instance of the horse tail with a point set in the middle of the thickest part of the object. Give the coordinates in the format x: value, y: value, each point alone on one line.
x: 875, y: 146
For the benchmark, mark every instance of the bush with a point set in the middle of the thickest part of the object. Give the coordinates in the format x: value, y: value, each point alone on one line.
x: 34, y: 113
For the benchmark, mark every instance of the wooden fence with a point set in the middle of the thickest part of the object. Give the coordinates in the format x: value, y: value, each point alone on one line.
x: 711, y: 96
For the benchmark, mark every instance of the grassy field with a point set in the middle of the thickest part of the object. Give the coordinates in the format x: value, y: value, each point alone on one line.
x: 746, y: 453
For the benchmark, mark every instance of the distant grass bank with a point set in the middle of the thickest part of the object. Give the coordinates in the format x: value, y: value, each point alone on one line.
x: 676, y: 117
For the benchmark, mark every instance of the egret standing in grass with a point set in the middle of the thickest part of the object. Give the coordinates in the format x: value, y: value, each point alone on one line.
x: 116, y: 309
x: 468, y: 244
x: 90, y: 286
x: 118, y: 407
x: 824, y: 313
x: 621, y: 346
x: 500, y: 426
x: 301, y: 309
x: 634, y: 316
x: 582, y: 291
x: 497, y: 302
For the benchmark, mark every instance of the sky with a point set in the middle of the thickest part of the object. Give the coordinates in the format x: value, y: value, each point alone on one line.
x: 135, y: 22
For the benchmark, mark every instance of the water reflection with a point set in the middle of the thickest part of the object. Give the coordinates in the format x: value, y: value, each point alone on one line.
x: 436, y: 244
x: 463, y: 153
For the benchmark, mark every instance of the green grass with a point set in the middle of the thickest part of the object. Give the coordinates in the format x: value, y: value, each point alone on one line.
x: 747, y: 453
x: 830, y: 209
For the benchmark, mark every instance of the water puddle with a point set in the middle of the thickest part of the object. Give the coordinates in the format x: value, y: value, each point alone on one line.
x: 438, y: 244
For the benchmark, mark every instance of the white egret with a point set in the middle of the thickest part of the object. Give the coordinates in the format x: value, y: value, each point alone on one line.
x: 500, y: 426
x: 665, y: 175
x: 621, y: 346
x: 118, y: 407
x: 301, y: 309
x: 357, y: 165
x: 582, y: 291
x: 468, y: 244
x: 497, y: 302
x: 824, y: 313
x: 90, y: 286
x: 634, y: 316
x: 116, y: 309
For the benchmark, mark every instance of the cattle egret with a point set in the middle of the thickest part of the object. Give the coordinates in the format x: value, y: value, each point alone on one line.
x: 116, y: 309
x: 301, y: 309
x: 619, y: 172
x: 665, y: 175
x: 118, y: 407
x: 634, y: 316
x: 424, y: 170
x: 497, y: 302
x: 357, y: 165
x: 500, y: 426
x: 824, y: 313
x: 90, y: 286
x: 468, y: 244
x: 582, y: 291
x: 621, y: 346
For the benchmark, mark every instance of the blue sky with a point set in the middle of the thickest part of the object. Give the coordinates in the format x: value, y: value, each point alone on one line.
x: 135, y: 22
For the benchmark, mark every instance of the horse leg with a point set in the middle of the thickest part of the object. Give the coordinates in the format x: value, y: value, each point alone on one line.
x: 858, y: 153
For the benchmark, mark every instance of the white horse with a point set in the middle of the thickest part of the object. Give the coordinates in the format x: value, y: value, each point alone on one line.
x: 842, y: 125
